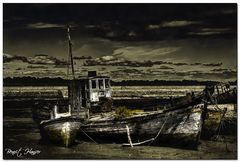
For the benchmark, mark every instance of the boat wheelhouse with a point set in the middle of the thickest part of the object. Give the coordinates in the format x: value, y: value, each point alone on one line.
x: 89, y: 93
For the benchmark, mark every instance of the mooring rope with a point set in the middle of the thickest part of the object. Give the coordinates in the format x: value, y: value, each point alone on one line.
x: 129, y: 137
x: 88, y: 136
x: 159, y: 130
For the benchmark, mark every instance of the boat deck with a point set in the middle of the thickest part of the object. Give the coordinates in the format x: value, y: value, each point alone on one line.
x: 112, y: 115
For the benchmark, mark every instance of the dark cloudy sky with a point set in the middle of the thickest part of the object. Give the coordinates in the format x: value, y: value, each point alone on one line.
x: 188, y: 33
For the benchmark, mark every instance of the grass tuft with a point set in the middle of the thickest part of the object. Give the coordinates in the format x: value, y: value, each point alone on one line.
x: 122, y: 112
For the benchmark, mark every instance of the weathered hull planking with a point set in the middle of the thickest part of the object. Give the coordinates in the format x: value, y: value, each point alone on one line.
x: 171, y: 127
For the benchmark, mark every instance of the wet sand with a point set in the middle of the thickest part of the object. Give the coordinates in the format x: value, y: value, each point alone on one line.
x: 21, y: 141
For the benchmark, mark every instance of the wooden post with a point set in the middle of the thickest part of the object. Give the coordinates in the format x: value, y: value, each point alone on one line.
x: 129, y: 138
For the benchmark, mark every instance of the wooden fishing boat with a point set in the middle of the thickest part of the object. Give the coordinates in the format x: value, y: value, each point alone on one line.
x: 179, y: 123
x: 60, y: 131
x: 178, y: 127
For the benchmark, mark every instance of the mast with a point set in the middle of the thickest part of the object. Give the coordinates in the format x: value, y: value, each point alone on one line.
x: 70, y: 51
x: 72, y: 87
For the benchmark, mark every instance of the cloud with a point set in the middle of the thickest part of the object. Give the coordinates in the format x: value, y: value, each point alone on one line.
x: 215, y: 29
x: 144, y: 52
x: 37, y: 59
x: 212, y: 64
x: 219, y: 69
x: 180, y: 64
x: 114, y: 61
x: 153, y: 27
x: 132, y: 34
x: 9, y: 58
x: 211, y: 31
x: 179, y: 23
x: 165, y: 67
x: 204, y: 33
x: 94, y: 47
x: 196, y: 63
x: 82, y: 57
x: 175, y: 23
x: 41, y: 25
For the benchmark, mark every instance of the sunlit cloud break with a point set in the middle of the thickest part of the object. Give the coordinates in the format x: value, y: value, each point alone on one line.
x: 41, y: 25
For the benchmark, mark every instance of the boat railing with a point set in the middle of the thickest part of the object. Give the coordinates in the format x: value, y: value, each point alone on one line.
x: 55, y: 114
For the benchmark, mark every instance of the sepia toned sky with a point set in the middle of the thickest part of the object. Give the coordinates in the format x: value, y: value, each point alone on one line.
x: 186, y: 33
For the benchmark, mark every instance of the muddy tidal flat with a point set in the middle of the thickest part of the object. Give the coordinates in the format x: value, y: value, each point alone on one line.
x: 22, y: 141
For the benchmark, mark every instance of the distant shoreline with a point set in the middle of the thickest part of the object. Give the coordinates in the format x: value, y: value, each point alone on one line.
x: 33, y: 81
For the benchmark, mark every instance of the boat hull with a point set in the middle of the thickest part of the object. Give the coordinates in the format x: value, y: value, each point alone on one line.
x: 172, y: 127
x: 60, y: 131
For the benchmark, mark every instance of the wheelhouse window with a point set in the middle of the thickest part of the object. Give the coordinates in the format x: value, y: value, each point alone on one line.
x: 100, y: 84
x: 94, y: 84
x: 107, y: 84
